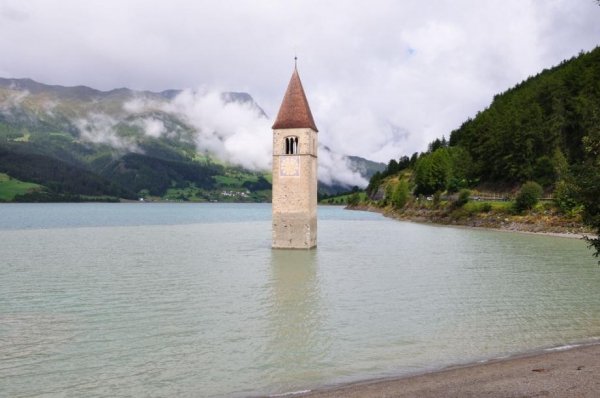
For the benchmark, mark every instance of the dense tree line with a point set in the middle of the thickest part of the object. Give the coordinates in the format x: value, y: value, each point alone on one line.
x: 393, y: 167
x: 260, y: 184
x: 587, y: 184
x: 138, y: 172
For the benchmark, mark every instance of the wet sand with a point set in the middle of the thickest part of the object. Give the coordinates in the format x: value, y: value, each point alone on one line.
x: 573, y: 372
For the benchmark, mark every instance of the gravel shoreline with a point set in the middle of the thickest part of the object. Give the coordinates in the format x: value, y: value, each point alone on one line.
x: 560, y: 372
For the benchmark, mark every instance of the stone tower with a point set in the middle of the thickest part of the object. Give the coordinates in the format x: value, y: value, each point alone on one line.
x: 294, y: 171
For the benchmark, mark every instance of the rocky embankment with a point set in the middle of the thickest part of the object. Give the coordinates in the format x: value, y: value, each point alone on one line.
x: 544, y: 222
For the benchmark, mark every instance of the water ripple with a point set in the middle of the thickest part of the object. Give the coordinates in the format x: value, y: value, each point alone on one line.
x: 208, y: 309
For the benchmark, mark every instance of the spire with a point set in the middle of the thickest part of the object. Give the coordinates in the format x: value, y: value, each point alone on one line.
x: 294, y: 111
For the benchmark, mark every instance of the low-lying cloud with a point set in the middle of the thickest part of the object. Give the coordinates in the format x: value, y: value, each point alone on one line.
x: 152, y: 127
x: 9, y: 100
x: 335, y: 168
x: 235, y: 132
x: 99, y: 128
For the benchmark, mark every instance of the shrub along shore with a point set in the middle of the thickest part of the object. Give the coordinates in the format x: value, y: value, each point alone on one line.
x: 525, y: 210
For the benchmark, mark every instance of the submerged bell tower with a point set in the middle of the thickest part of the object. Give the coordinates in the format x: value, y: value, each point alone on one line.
x: 294, y: 171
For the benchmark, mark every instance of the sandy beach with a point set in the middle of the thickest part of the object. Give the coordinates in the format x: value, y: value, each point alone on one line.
x: 561, y: 372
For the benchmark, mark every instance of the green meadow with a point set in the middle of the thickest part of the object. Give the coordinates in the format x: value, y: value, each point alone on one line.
x: 10, y: 187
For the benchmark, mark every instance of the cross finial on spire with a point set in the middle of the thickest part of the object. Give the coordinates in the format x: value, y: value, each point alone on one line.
x: 295, y: 62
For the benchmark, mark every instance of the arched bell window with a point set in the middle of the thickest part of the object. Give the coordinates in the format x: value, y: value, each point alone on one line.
x: 291, y: 145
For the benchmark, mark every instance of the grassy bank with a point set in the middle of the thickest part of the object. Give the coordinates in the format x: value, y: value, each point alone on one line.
x: 10, y: 187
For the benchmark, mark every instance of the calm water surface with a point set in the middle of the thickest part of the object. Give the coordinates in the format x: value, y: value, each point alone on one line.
x: 189, y: 299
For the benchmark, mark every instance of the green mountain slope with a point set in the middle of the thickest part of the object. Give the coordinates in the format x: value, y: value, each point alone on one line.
x: 78, y: 141
x: 105, y: 144
x: 58, y: 177
x: 157, y: 175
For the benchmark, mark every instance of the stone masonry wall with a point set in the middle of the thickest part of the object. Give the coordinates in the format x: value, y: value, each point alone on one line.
x: 295, y: 194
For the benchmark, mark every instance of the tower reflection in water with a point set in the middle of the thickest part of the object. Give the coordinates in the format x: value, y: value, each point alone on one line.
x: 298, y: 339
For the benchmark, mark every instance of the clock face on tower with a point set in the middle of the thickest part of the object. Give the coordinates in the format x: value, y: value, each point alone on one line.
x: 289, y: 166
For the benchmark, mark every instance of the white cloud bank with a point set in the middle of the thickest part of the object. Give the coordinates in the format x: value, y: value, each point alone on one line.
x: 236, y: 132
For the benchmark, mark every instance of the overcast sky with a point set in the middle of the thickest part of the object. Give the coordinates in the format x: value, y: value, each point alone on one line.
x: 383, y: 78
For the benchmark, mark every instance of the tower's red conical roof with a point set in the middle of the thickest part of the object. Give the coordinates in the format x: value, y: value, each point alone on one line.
x: 294, y: 111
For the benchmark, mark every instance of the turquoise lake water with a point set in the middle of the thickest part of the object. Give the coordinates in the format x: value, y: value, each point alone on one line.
x: 115, y: 300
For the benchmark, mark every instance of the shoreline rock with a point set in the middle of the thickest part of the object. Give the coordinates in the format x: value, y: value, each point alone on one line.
x: 547, y: 225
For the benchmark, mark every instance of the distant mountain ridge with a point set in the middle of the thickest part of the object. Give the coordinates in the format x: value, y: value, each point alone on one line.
x: 84, y: 134
x: 86, y: 93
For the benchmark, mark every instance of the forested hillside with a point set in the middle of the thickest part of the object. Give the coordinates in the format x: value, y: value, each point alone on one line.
x: 529, y: 131
x: 545, y: 130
